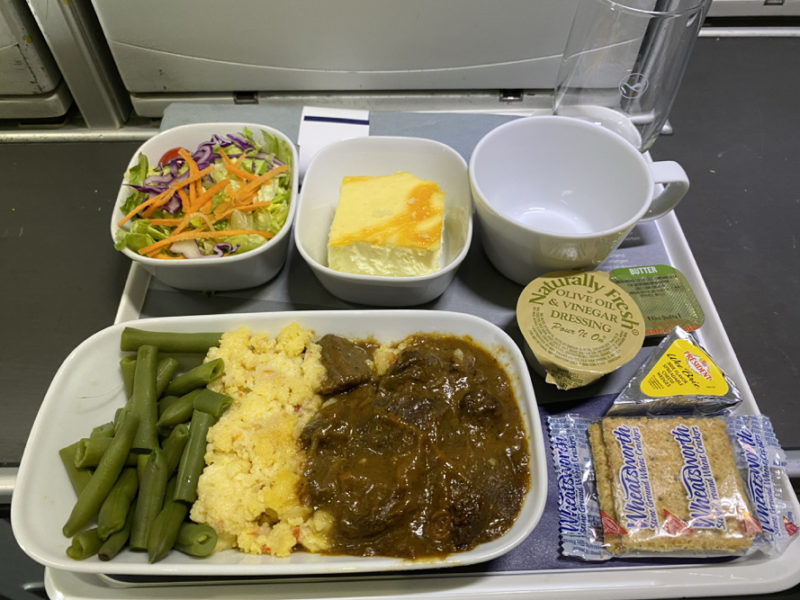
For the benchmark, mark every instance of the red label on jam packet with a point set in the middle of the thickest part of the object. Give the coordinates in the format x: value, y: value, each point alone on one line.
x: 610, y: 526
x: 675, y: 526
x: 791, y: 528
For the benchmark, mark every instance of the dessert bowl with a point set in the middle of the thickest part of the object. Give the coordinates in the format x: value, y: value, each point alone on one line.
x: 379, y: 155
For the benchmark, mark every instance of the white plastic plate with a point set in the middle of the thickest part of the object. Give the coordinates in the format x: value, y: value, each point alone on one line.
x: 88, y: 388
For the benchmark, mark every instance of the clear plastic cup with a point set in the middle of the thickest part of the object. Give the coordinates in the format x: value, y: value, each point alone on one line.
x: 624, y: 61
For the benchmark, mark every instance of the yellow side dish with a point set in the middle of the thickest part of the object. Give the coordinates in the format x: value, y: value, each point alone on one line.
x: 387, y: 225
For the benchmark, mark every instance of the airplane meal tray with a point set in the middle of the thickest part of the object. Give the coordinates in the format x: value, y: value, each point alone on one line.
x: 534, y: 569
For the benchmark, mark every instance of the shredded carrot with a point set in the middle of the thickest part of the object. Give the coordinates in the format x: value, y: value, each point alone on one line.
x: 183, y: 224
x: 204, y: 200
x: 164, y: 196
x: 252, y: 186
x: 185, y: 155
x: 184, y: 200
x: 232, y: 167
x: 193, y: 235
x: 196, y: 202
x: 187, y: 220
x: 222, y: 208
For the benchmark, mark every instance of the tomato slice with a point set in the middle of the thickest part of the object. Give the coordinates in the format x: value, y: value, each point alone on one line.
x: 168, y: 156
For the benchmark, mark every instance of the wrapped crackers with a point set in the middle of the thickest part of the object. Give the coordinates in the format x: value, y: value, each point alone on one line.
x: 670, y: 486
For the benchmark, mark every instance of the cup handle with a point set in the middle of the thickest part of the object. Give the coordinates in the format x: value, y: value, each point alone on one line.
x: 676, y: 183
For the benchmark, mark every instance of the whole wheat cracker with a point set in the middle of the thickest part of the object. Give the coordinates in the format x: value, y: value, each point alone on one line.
x: 676, y: 529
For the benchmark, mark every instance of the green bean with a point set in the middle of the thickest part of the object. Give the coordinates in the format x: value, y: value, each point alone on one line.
x: 84, y: 544
x: 104, y: 476
x: 90, y: 450
x: 165, y: 402
x: 164, y: 530
x: 165, y: 371
x: 117, y: 541
x: 118, y: 416
x: 104, y: 430
x: 196, y: 539
x: 78, y: 478
x: 212, y: 402
x: 132, y: 338
x: 152, y: 485
x: 127, y: 366
x: 193, y: 458
x: 174, y: 444
x: 179, y: 411
x: 198, y: 377
x: 114, y: 511
x: 143, y: 400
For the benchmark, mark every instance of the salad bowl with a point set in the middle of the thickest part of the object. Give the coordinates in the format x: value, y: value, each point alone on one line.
x: 257, y: 247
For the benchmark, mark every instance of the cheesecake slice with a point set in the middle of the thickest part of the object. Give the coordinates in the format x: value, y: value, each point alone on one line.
x: 387, y: 225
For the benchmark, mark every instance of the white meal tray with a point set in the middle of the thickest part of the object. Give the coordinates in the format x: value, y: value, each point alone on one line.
x: 660, y: 241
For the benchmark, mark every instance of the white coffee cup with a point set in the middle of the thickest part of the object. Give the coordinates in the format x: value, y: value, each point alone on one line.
x: 555, y: 192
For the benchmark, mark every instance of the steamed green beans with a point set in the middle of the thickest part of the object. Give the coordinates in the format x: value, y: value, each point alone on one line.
x: 203, y: 399
x: 132, y: 338
x: 114, y: 510
x: 78, y: 478
x: 114, y: 544
x: 120, y: 470
x: 165, y: 371
x: 104, y: 476
x: 198, y: 377
x: 165, y: 528
x: 89, y: 451
x: 193, y: 459
x: 173, y: 446
x: 196, y: 539
x: 179, y: 410
x: 127, y: 367
x: 152, y: 487
x: 143, y: 401
x: 212, y: 402
x: 85, y: 543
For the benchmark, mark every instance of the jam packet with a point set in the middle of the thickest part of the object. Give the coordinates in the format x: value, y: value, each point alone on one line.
x: 670, y: 487
x: 679, y: 377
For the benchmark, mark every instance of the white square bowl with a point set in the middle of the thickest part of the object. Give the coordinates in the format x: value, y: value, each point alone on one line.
x: 238, y: 271
x: 383, y: 155
x: 88, y: 388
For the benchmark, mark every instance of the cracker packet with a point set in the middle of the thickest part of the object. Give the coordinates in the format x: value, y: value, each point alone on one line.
x: 679, y: 377
x: 695, y: 487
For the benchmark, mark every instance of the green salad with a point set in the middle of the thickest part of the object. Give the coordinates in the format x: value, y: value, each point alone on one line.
x: 229, y: 195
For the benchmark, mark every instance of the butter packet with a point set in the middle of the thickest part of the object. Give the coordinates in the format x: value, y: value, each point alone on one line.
x: 670, y: 487
x: 679, y: 377
x: 664, y: 296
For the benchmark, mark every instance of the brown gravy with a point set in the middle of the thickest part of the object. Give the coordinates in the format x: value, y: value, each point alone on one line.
x: 429, y: 459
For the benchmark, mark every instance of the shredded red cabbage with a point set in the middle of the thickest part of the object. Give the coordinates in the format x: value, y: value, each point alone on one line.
x: 223, y: 248
x: 204, y: 155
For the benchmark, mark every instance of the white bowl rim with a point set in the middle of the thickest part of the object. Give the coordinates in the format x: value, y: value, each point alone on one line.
x: 389, y: 279
x: 194, y: 262
x: 478, y: 195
